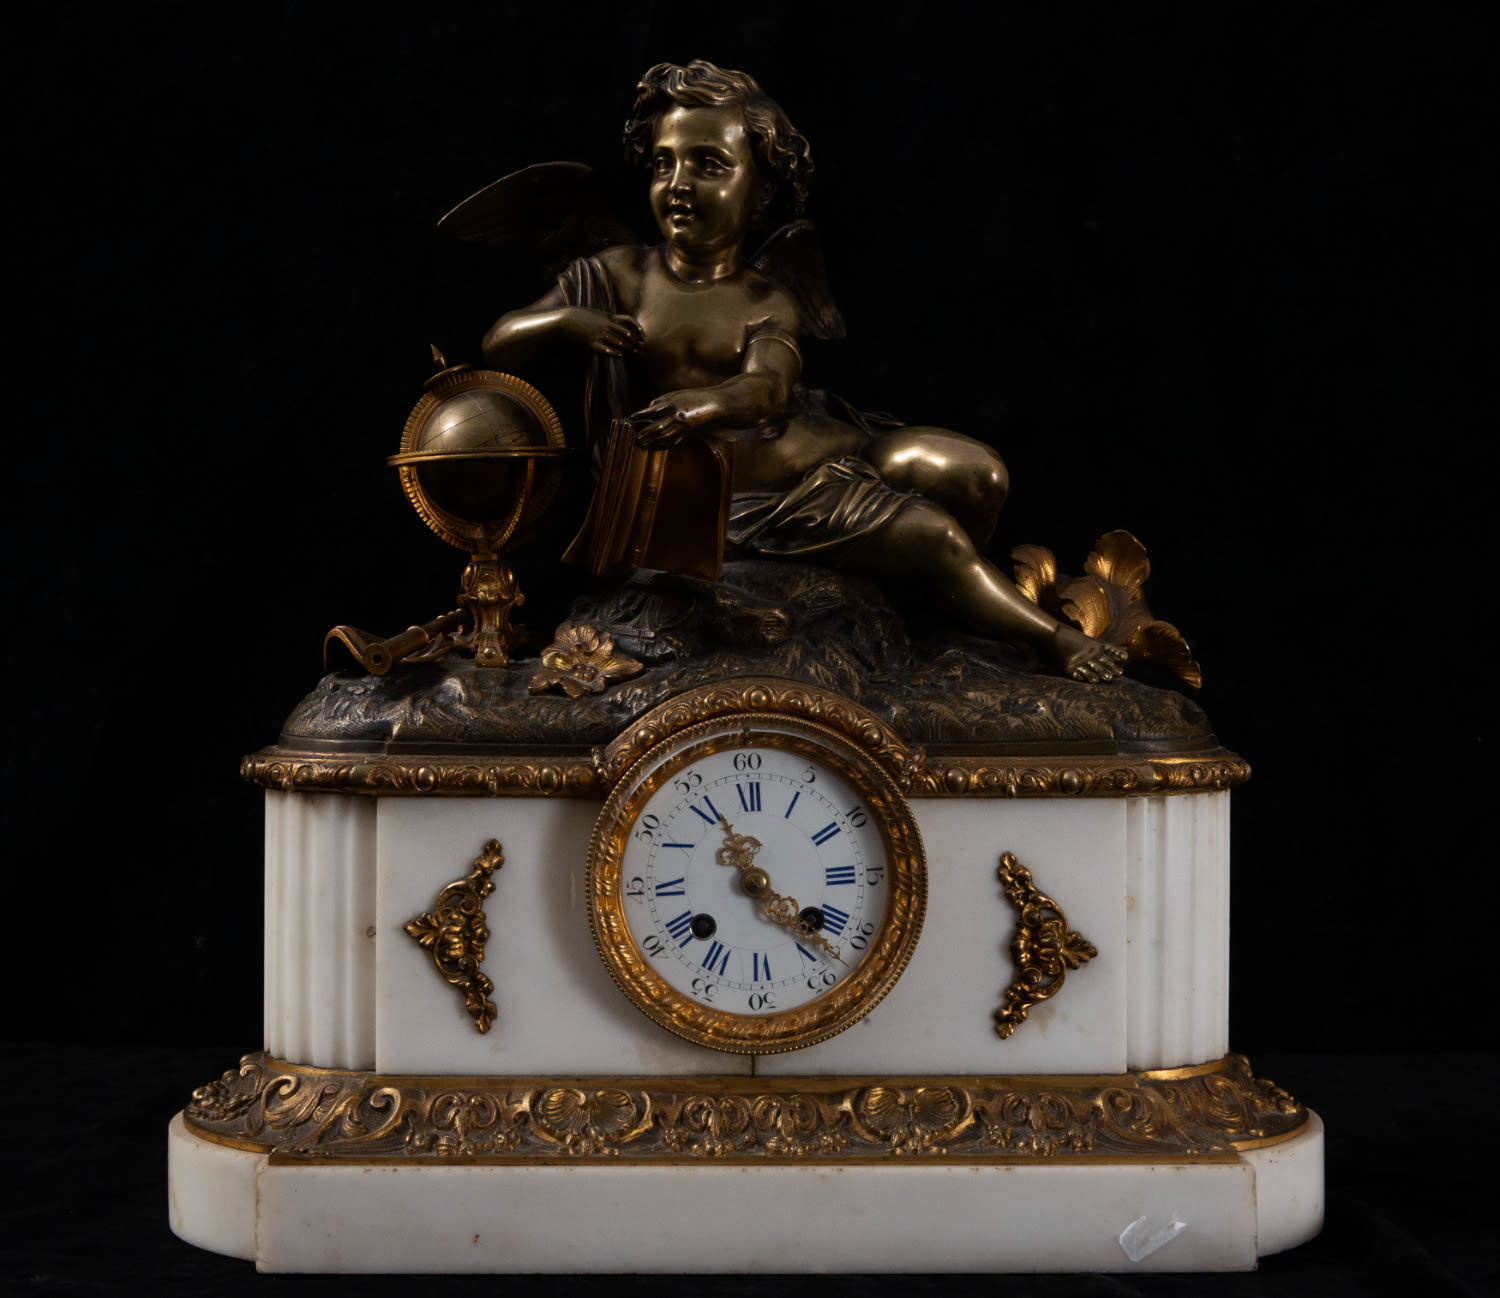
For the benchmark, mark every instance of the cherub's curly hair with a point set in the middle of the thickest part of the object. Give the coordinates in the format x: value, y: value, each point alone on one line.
x: 779, y: 146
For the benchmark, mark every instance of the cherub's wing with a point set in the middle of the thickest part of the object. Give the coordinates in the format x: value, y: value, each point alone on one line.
x: 793, y: 257
x: 560, y: 208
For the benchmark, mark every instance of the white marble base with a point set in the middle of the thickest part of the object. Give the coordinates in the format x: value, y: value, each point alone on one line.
x: 1144, y: 879
x: 1038, y: 1216
x: 211, y: 1199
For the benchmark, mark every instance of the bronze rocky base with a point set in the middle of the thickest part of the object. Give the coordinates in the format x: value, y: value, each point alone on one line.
x: 795, y: 622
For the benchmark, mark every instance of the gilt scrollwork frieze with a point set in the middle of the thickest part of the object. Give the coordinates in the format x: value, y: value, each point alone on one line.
x: 1043, y: 948
x: 298, y: 1113
x: 455, y: 930
x: 463, y: 1124
x: 585, y: 1121
x: 913, y: 1119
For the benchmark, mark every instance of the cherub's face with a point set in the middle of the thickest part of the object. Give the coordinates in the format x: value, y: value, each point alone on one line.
x: 705, y: 183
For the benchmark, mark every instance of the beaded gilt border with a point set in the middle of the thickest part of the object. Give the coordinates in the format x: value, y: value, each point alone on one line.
x: 947, y: 777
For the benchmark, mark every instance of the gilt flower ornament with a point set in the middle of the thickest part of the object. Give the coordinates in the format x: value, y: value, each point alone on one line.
x: 581, y: 660
x: 1107, y: 602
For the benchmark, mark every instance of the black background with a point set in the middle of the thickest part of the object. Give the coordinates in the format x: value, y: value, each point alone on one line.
x: 1206, y: 272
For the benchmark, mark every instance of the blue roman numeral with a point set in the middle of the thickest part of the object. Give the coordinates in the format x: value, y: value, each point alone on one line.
x: 711, y: 816
x: 834, y: 919
x: 674, y: 888
x: 805, y: 952
x: 761, y: 967
x: 717, y: 956
x: 824, y: 834
x: 792, y: 804
x: 836, y: 875
x: 682, y: 927
x: 686, y: 847
x: 749, y: 796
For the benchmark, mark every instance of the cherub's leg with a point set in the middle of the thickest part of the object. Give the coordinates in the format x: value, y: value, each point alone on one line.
x: 967, y: 478
x: 925, y: 540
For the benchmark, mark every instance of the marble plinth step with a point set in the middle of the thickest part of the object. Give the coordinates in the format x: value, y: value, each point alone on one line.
x: 456, y: 1215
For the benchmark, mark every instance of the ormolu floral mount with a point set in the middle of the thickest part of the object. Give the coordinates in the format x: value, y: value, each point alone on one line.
x: 1108, y: 602
x: 480, y: 461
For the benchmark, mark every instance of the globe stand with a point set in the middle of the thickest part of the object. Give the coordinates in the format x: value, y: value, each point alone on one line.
x: 480, y: 462
x: 489, y: 592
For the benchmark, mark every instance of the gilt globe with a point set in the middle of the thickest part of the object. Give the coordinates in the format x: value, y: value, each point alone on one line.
x: 479, y: 456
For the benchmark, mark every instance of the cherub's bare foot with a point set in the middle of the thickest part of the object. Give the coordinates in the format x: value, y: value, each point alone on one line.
x: 1084, y: 658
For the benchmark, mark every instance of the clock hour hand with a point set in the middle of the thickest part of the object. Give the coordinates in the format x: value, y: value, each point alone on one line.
x: 739, y: 851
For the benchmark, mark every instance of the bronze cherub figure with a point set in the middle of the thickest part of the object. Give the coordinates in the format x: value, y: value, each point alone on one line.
x: 705, y: 439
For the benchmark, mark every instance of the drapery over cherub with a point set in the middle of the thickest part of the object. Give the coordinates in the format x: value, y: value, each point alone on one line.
x: 705, y: 439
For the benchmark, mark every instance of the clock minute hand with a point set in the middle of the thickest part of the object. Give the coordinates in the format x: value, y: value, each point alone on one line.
x: 786, y: 912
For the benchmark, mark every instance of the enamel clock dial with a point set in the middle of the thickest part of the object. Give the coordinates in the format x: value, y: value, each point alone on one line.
x: 756, y: 883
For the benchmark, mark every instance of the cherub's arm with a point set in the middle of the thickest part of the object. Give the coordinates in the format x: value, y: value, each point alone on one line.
x: 517, y: 336
x: 761, y: 388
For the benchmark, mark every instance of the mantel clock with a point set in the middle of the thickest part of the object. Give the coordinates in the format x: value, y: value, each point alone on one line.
x: 637, y: 925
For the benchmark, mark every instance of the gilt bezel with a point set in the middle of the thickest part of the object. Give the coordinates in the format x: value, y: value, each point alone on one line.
x: 857, y: 993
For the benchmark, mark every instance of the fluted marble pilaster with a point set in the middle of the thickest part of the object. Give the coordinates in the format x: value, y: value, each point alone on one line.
x: 1177, y: 929
x: 320, y: 929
